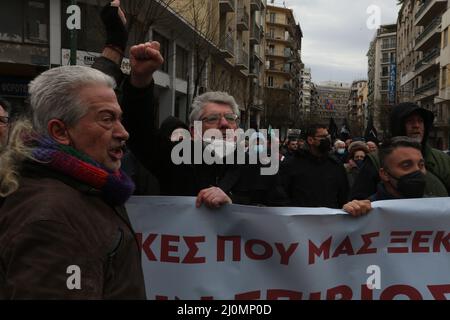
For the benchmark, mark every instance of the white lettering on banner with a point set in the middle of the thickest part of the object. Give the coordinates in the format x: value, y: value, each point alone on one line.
x: 293, y: 253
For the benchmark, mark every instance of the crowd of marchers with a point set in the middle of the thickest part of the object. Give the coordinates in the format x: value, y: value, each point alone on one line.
x: 90, y: 142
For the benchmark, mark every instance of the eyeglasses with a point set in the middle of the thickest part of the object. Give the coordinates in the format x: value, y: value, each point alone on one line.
x: 216, y: 117
x: 4, y: 121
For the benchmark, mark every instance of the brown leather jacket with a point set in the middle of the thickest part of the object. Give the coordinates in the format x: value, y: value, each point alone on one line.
x: 53, y: 222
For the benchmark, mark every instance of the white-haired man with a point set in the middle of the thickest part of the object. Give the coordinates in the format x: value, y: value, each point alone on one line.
x: 212, y: 184
x: 64, y: 232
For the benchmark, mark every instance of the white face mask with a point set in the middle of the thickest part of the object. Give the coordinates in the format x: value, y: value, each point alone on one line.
x: 220, y: 147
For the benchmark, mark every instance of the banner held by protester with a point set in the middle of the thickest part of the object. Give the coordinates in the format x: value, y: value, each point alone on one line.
x: 399, y: 251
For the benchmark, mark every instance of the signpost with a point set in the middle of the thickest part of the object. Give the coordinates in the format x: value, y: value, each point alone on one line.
x: 73, y: 24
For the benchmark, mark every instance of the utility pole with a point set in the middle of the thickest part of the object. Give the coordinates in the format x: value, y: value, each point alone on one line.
x: 73, y: 24
x: 73, y: 41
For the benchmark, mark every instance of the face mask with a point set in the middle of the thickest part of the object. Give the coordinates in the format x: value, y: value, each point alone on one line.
x: 341, y: 151
x: 411, y: 185
x: 359, y: 163
x: 220, y: 147
x: 324, y: 146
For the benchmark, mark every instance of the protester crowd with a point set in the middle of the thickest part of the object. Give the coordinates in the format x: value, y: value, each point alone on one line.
x: 67, y: 169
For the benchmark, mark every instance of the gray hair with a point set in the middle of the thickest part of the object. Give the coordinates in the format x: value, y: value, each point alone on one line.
x: 54, y: 94
x: 201, y: 101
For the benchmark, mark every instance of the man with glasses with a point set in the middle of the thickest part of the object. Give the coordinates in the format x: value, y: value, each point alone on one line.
x: 4, y: 121
x: 313, y: 177
x: 213, y: 184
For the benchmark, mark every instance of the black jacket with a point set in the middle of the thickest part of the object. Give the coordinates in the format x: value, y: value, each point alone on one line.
x: 52, y: 222
x: 243, y: 183
x: 315, y: 182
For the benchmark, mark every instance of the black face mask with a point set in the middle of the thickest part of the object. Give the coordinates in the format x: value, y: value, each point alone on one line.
x: 411, y: 185
x: 324, y: 146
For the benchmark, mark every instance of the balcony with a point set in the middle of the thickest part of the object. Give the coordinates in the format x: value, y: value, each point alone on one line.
x: 227, y: 46
x: 274, y: 53
x: 241, y: 59
x: 257, y: 53
x: 278, y: 69
x: 255, y: 5
x: 429, y: 10
x: 430, y: 36
x: 427, y: 90
x: 255, y: 34
x: 255, y: 68
x: 226, y: 6
x: 242, y: 19
x: 427, y: 61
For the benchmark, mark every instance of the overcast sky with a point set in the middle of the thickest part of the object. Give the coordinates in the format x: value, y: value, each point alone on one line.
x: 336, y: 37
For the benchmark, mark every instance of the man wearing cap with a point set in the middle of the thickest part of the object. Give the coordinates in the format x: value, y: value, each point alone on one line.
x: 408, y: 119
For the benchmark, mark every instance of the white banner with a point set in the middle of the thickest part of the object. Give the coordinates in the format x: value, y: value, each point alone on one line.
x: 399, y: 251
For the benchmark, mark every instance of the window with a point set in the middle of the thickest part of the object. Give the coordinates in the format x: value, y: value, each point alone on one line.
x: 392, y: 57
x: 11, y: 17
x: 24, y: 21
x: 445, y: 35
x: 385, y: 72
x: 272, y: 17
x: 270, y: 81
x: 182, y: 59
x: 385, y: 58
x: 36, y: 21
x: 164, y: 49
x: 443, y: 77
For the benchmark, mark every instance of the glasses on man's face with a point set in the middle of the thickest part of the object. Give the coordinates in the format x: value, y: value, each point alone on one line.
x: 4, y: 121
x: 216, y: 117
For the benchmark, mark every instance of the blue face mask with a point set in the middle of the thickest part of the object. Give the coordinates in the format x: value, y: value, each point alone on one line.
x: 340, y: 151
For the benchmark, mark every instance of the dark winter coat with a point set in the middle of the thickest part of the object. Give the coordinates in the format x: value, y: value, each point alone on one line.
x: 310, y: 181
x: 53, y: 222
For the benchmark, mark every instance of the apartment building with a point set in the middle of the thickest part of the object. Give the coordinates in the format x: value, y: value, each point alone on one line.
x: 382, y: 75
x: 207, y: 45
x: 442, y: 100
x: 305, y: 95
x: 333, y: 102
x: 423, y: 58
x: 283, y: 68
x: 357, y: 109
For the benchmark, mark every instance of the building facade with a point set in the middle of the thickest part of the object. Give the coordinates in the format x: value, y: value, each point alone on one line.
x: 382, y: 75
x: 305, y: 96
x: 211, y: 46
x: 283, y: 67
x: 357, y: 109
x: 443, y: 99
x: 333, y: 102
x: 423, y: 58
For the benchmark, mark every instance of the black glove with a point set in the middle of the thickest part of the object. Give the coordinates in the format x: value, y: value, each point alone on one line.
x: 116, y: 32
